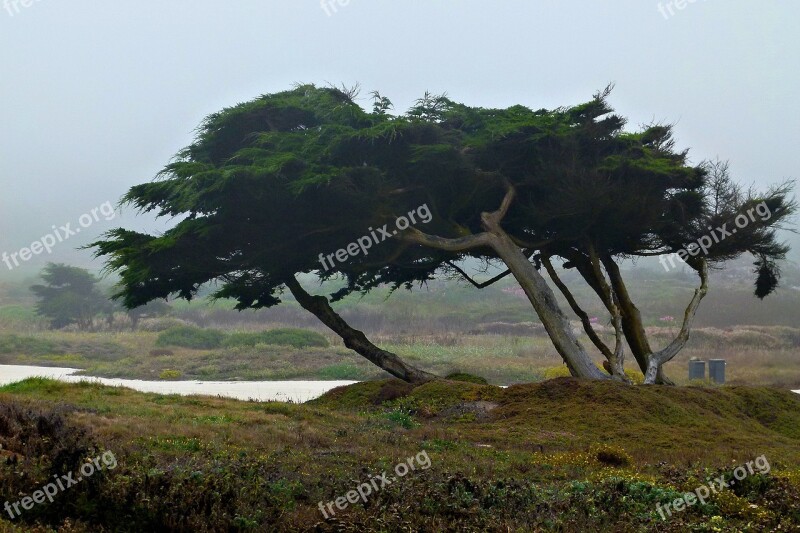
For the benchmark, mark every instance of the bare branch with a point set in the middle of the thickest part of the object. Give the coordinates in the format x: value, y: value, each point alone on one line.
x: 482, y: 285
x: 493, y: 219
x: 460, y: 244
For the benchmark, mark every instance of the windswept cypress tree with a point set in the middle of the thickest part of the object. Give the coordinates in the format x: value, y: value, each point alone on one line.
x: 270, y: 185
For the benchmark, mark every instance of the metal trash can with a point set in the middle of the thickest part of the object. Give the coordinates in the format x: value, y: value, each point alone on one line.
x: 697, y: 369
x: 716, y: 370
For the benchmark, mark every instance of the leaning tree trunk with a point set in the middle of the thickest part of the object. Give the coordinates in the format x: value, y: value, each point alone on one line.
x: 544, y: 301
x: 355, y: 339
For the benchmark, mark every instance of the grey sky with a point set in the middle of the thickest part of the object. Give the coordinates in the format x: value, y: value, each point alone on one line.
x: 97, y: 96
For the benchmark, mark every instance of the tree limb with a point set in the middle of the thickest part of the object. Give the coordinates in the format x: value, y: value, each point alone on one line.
x: 658, y: 359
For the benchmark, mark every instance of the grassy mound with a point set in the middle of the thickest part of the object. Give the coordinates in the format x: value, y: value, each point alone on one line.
x: 564, y: 455
x: 560, y: 413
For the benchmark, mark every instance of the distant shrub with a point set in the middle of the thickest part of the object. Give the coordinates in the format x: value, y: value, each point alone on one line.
x: 19, y: 313
x: 519, y: 329
x: 161, y: 324
x: 14, y: 344
x: 160, y: 352
x: 98, y: 350
x: 296, y: 338
x: 170, y: 374
x: 469, y: 378
x: 191, y: 337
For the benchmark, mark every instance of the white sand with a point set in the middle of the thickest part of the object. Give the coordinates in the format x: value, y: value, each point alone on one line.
x: 294, y: 391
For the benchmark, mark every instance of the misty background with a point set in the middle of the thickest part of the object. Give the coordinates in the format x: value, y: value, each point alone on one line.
x: 98, y: 96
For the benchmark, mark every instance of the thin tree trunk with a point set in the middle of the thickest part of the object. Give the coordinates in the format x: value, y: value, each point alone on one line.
x: 614, y: 364
x: 355, y: 339
x: 658, y: 359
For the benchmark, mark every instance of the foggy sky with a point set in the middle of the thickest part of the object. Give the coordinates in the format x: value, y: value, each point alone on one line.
x: 97, y: 96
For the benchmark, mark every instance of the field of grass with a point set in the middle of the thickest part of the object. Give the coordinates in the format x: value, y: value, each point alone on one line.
x: 756, y: 355
x: 443, y: 328
x: 562, y: 455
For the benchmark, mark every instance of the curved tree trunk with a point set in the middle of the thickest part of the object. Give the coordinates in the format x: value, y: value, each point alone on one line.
x: 659, y: 358
x: 355, y: 339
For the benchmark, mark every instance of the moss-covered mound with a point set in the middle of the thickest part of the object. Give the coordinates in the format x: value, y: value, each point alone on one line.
x: 564, y: 413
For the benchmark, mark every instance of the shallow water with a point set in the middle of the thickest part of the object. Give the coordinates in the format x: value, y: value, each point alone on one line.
x: 286, y: 391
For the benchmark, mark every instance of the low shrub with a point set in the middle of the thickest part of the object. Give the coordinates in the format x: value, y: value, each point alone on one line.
x: 612, y: 455
x: 170, y: 374
x: 191, y: 337
x: 296, y: 338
